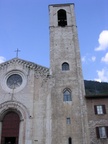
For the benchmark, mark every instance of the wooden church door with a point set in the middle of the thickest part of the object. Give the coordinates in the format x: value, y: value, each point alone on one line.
x: 10, y: 128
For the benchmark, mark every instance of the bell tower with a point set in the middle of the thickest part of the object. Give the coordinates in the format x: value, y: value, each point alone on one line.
x: 69, y: 115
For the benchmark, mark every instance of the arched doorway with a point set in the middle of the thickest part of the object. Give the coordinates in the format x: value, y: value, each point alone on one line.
x: 10, y: 128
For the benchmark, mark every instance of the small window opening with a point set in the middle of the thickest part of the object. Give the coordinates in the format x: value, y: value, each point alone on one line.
x: 69, y: 140
x: 65, y: 66
x: 68, y: 120
x: 62, y: 18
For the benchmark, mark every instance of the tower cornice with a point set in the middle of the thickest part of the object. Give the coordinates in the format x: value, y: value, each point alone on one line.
x: 59, y: 5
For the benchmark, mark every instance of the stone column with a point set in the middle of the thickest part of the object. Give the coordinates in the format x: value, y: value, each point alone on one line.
x: 21, y: 133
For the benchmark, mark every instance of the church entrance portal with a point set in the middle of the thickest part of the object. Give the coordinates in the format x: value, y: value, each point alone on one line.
x: 10, y: 128
x: 10, y: 140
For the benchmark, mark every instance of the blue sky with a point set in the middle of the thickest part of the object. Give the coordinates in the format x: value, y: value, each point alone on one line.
x: 24, y: 24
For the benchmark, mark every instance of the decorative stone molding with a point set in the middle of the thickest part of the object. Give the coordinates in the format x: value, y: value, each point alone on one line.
x: 19, y: 108
x: 3, y: 81
x: 24, y: 115
x: 40, y: 69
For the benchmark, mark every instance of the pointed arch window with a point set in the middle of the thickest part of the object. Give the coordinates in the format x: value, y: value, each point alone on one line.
x: 67, y: 95
x: 69, y: 140
x: 62, y: 18
x: 65, y: 66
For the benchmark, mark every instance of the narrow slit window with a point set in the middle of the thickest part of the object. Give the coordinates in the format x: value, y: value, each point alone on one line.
x: 62, y: 18
x: 69, y: 140
x: 68, y: 120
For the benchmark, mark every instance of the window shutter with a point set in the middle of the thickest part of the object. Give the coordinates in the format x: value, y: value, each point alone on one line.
x: 104, y: 109
x: 97, y: 132
x: 106, y: 131
x: 95, y: 109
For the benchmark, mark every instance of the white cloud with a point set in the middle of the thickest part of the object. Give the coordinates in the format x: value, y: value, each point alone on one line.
x: 103, y: 41
x: 87, y: 58
x: 98, y: 80
x: 2, y: 59
x: 102, y: 75
x: 93, y: 58
x: 83, y: 59
x: 105, y: 58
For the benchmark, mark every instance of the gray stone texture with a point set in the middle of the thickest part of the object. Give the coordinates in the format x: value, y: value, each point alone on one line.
x: 64, y: 47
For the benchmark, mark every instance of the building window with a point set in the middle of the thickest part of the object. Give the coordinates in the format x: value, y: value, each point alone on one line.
x: 102, y: 132
x: 69, y: 140
x: 68, y: 120
x: 65, y: 66
x: 100, y: 109
x: 67, y: 95
x: 62, y: 18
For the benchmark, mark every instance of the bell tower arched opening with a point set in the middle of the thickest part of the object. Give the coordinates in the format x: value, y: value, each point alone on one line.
x: 62, y: 18
x: 10, y: 128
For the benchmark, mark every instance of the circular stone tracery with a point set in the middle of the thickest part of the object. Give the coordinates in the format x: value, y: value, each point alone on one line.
x: 14, y: 81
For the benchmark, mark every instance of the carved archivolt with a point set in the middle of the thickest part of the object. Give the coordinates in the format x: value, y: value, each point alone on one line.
x: 15, y: 106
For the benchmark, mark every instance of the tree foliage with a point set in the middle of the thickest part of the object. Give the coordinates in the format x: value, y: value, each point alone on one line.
x: 96, y: 88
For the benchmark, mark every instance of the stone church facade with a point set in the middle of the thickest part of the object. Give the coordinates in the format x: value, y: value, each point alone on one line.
x: 40, y: 105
